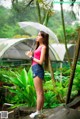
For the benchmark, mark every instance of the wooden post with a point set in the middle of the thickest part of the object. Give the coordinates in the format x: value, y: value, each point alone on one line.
x: 51, y: 70
x: 73, y: 67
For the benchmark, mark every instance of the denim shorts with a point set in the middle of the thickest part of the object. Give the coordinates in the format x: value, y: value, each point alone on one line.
x: 38, y: 71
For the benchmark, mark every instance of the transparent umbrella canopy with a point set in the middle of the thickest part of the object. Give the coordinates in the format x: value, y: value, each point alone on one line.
x: 33, y: 28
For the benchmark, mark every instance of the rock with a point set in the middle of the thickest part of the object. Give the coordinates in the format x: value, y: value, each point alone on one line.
x: 57, y: 113
x: 75, y: 103
x: 65, y: 113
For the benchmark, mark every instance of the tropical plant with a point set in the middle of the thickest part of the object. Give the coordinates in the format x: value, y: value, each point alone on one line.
x: 23, y: 88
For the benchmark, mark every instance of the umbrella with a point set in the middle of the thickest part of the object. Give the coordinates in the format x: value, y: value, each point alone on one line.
x: 33, y: 28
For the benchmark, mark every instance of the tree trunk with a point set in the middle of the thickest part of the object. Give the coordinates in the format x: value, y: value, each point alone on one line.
x: 63, y: 24
x: 39, y: 13
x: 51, y: 70
x: 73, y: 68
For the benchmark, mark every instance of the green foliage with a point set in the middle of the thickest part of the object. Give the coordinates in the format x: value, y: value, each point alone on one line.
x: 23, y: 90
x: 4, y: 15
x: 55, y: 92
x: 21, y: 12
x: 4, y: 71
x: 62, y: 74
x: 50, y: 100
x: 47, y: 76
x: 48, y: 86
x: 76, y: 83
x: 60, y: 34
x: 71, y: 34
x: 55, y: 22
x: 61, y: 91
x: 9, y: 31
x: 23, y: 93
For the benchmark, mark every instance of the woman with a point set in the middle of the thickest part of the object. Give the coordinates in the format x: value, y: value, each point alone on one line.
x: 39, y: 57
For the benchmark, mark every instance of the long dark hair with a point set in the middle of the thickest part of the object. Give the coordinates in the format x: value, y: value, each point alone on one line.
x: 46, y: 43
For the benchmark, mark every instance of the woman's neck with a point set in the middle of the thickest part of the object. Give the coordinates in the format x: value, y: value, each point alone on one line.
x: 40, y: 44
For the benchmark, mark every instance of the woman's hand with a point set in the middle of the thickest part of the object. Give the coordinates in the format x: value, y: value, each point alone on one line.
x: 29, y: 54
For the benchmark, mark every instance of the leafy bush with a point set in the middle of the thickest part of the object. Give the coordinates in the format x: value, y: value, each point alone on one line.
x: 23, y: 91
x: 50, y: 100
x: 47, y: 76
x: 4, y: 71
x: 76, y: 82
x: 55, y: 93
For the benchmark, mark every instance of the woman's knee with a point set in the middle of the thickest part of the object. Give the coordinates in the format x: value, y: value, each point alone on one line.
x: 40, y: 93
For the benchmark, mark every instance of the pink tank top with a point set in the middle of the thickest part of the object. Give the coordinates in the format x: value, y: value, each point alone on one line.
x: 37, y: 54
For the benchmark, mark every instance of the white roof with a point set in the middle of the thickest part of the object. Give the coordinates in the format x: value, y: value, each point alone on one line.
x: 13, y: 48
x: 61, y: 51
x: 16, y: 48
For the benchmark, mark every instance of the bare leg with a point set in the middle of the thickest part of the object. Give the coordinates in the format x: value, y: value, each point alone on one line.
x: 40, y: 96
x: 39, y: 91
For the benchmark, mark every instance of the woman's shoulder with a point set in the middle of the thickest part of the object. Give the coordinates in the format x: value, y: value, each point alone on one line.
x: 44, y: 46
